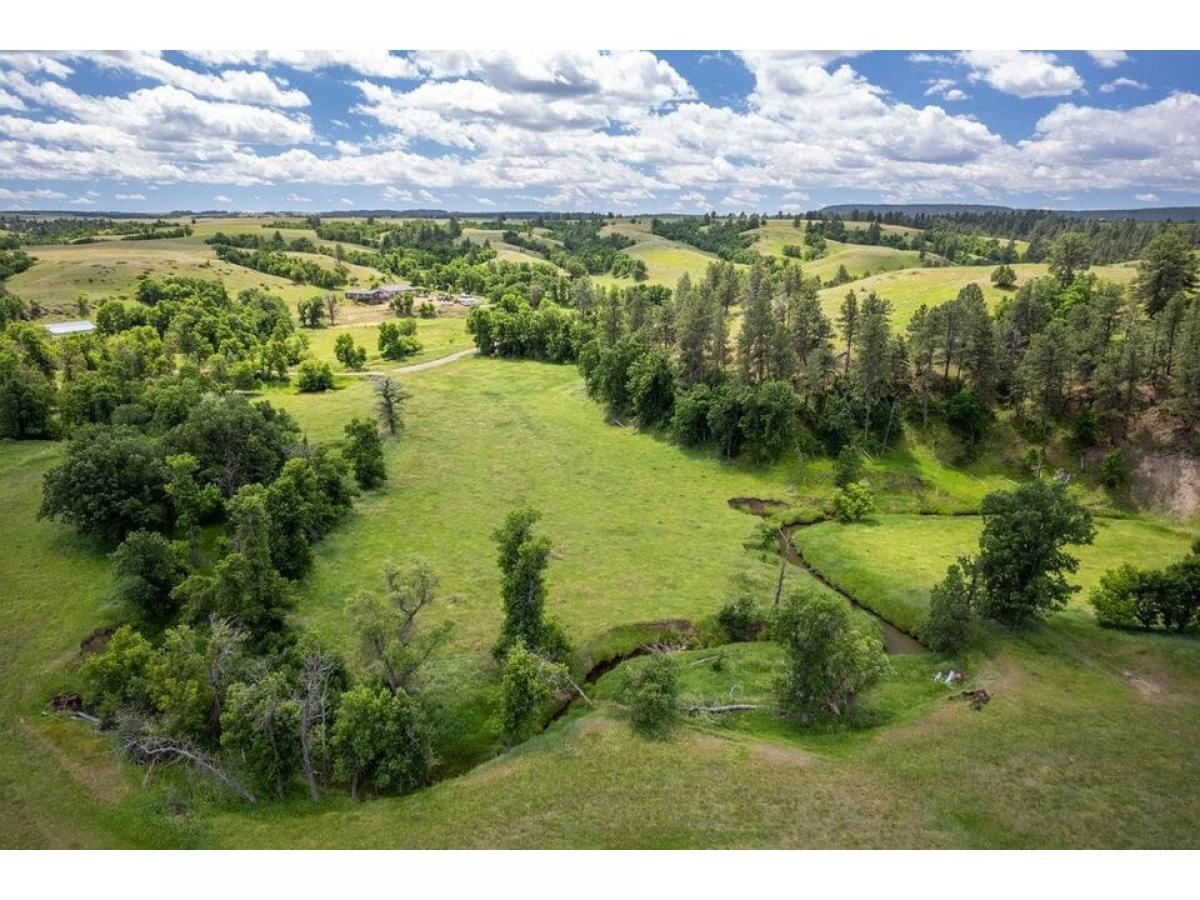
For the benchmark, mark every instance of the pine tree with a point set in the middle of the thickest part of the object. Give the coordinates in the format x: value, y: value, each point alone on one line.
x: 758, y: 327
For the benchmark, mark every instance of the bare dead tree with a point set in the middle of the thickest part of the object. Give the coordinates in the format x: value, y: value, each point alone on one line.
x: 727, y: 708
x: 147, y: 748
x: 225, y: 643
x: 314, y: 713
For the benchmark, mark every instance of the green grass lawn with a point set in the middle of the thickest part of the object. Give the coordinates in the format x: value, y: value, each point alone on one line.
x: 891, y: 563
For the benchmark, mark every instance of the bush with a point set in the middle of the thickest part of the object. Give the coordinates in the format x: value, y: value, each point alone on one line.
x: 348, y: 353
x: 1114, y: 600
x: 398, y: 339
x: 652, y: 695
x: 1115, y: 469
x: 853, y: 502
x: 690, y: 420
x: 741, y: 620
x: 314, y: 376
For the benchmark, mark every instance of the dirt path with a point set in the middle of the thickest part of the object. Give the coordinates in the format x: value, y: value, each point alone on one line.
x: 434, y: 363
x: 418, y: 367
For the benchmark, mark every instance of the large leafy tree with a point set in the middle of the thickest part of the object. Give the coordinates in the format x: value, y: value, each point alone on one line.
x: 111, y: 482
x: 523, y: 558
x: 363, y: 450
x: 382, y: 740
x: 1022, y: 565
x: 829, y: 660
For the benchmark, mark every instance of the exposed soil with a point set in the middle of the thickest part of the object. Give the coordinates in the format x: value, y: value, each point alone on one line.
x: 96, y: 640
x: 756, y: 506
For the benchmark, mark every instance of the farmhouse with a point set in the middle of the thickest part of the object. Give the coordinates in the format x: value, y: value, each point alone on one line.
x: 381, y: 294
x: 75, y: 326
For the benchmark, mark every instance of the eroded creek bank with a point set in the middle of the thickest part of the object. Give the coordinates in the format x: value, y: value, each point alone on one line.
x: 895, y: 641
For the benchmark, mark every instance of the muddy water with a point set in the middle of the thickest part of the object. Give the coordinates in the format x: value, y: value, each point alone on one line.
x: 895, y: 641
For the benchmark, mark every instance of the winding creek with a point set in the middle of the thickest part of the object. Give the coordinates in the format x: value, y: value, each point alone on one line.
x: 895, y: 641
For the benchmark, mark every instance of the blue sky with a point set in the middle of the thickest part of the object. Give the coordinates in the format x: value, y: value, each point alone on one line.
x: 579, y: 130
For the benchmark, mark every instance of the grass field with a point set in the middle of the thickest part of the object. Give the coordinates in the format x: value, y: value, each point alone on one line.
x: 771, y: 238
x: 909, y: 288
x: 891, y: 563
x: 666, y: 261
x: 111, y: 268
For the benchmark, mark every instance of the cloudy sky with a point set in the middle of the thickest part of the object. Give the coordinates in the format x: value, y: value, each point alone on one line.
x: 628, y: 131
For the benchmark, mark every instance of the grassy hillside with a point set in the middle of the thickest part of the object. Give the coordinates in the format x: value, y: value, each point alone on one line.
x: 110, y: 268
x: 909, y: 288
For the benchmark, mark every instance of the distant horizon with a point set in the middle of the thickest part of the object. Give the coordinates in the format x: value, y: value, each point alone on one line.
x: 431, y: 212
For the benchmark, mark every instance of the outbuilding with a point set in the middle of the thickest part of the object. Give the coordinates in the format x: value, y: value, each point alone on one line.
x: 75, y: 326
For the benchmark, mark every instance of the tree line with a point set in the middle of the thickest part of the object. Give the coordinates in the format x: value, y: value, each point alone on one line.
x: 1068, y: 352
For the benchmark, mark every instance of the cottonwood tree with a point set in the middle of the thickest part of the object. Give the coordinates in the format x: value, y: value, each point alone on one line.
x: 1022, y: 562
x: 191, y: 500
x: 261, y: 724
x: 381, y: 739
x: 527, y: 682
x: 363, y: 450
x: 951, y: 625
x: 148, y: 568
x: 829, y: 660
x: 523, y: 558
x: 315, y: 720
x: 391, y: 644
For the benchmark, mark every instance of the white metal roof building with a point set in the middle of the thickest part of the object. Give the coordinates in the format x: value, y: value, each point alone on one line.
x: 76, y: 326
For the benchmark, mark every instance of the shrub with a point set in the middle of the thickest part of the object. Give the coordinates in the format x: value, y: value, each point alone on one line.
x: 398, y: 339
x: 690, y: 420
x: 1114, y: 600
x: 1004, y: 276
x: 1115, y: 469
x: 741, y: 620
x: 314, y: 376
x: 853, y: 502
x: 848, y: 467
x: 652, y: 695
